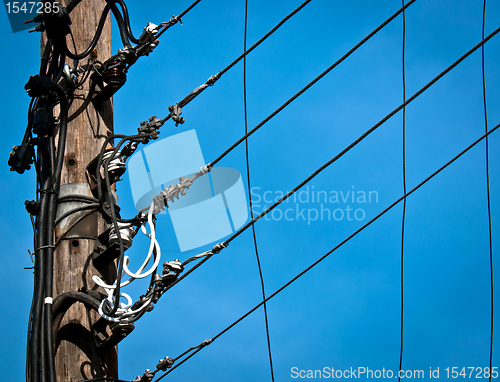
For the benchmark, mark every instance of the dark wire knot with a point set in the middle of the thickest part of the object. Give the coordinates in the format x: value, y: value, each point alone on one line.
x: 213, y: 79
x: 218, y: 247
x: 207, y: 342
x: 173, y: 21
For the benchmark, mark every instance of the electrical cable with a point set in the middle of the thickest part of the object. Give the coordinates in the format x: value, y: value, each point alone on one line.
x: 38, y: 290
x: 64, y: 301
x: 330, y: 68
x: 263, y: 38
x: 121, y: 23
x: 50, y: 226
x: 404, y: 192
x: 126, y: 19
x: 41, y: 351
x: 77, y: 198
x: 342, y: 153
x: 196, y: 92
x: 358, y: 140
x: 488, y: 191
x: 250, y: 193
x: 76, y: 209
x: 45, y: 58
x: 97, y: 35
x: 387, y: 209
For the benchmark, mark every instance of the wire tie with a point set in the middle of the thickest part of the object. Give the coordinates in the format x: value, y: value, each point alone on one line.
x: 48, y: 300
x: 218, y: 247
x: 213, y: 78
x: 206, y: 342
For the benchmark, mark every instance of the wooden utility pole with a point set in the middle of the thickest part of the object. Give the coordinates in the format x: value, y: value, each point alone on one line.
x: 77, y: 358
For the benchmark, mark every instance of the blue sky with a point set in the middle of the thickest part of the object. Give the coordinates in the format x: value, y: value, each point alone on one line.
x: 345, y: 312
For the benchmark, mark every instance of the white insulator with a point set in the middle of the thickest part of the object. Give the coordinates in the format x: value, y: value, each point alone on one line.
x: 127, y: 233
x: 116, y: 167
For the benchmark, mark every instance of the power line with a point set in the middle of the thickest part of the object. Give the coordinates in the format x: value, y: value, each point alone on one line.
x: 263, y: 38
x: 395, y: 203
x: 362, y: 137
x: 330, y: 68
x: 250, y: 193
x: 404, y: 192
x: 175, y: 109
x: 339, y: 155
x: 488, y: 188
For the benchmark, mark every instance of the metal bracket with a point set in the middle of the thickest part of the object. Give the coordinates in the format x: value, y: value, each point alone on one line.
x: 75, y: 225
x: 119, y: 331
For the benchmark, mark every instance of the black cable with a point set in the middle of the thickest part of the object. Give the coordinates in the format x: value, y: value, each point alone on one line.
x: 38, y: 333
x: 41, y: 346
x: 343, y: 152
x: 250, y: 193
x: 363, y: 136
x: 344, y: 241
x: 97, y: 35
x: 64, y: 301
x: 488, y: 189
x: 375, y: 31
x: 76, y: 209
x: 404, y: 192
x: 77, y: 198
x: 50, y: 226
x: 263, y: 38
x: 49, y: 360
x: 362, y: 228
x: 39, y: 287
x: 54, y: 62
x: 128, y: 31
x: 122, y: 27
x: 45, y: 58
x: 213, y: 79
